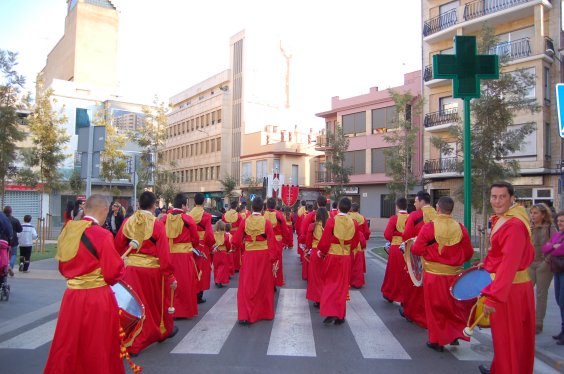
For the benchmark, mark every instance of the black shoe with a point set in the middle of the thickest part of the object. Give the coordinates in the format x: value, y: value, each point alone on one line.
x: 173, y: 333
x: 484, y: 369
x: 455, y: 342
x: 219, y: 285
x: 244, y: 322
x: 356, y: 287
x: 401, y: 312
x: 21, y: 267
x: 388, y: 300
x: 329, y: 320
x: 339, y: 321
x: 558, y: 337
x: 435, y: 346
x: 560, y: 342
x: 316, y: 305
x: 201, y: 300
x: 275, y: 289
x: 133, y: 354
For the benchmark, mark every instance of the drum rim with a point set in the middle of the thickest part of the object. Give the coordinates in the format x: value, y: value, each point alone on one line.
x: 462, y: 274
x: 407, y: 256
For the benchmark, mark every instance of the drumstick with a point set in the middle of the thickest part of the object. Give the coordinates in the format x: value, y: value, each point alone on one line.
x: 171, y: 309
x: 469, y: 331
x: 133, y: 244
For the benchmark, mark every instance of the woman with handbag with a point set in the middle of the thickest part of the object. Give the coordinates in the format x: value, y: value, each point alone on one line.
x: 541, y: 231
x: 555, y: 248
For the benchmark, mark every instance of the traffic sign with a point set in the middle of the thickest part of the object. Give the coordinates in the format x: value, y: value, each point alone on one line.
x: 560, y: 107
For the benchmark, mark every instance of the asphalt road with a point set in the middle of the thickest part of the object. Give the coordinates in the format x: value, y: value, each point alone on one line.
x: 375, y: 339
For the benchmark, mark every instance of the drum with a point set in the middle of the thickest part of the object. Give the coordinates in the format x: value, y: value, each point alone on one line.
x: 470, y: 283
x: 414, y: 264
x: 132, y: 311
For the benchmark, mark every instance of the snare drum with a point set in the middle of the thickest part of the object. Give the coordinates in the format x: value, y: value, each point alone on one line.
x: 414, y: 264
x: 469, y: 286
x: 132, y: 311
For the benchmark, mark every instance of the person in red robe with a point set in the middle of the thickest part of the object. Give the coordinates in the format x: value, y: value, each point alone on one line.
x: 359, y: 261
x: 445, y: 246
x: 509, y: 299
x: 340, y: 236
x: 149, y: 271
x: 255, y: 299
x: 413, y: 304
x: 182, y: 238
x: 89, y: 311
x: 300, y: 215
x: 334, y: 211
x: 395, y: 273
x: 315, y: 266
x: 221, y: 255
x: 207, y: 241
x: 308, y: 219
x: 281, y: 234
x: 233, y: 218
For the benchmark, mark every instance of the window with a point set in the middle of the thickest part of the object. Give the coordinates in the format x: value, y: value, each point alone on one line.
x: 378, y: 160
x: 388, y: 205
x: 448, y: 104
x: 207, y: 119
x: 276, y: 164
x: 527, y: 32
x: 449, y: 151
x: 245, y: 172
x: 295, y: 175
x: 261, y: 169
x: 355, y: 161
x: 219, y: 116
x: 546, y: 82
x: 212, y: 145
x: 354, y: 123
x: 217, y: 172
x: 449, y: 8
x: 528, y: 72
x: 384, y: 118
x: 191, y: 176
x: 211, y: 173
x: 207, y: 146
x: 547, y: 146
x: 528, y: 146
x: 218, y: 144
x: 197, y: 122
x: 213, y: 118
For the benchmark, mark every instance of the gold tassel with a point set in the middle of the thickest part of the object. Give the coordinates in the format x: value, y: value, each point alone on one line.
x: 162, y: 326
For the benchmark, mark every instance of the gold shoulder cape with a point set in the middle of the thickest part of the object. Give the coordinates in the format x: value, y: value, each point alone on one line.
x: 400, y: 224
x: 357, y: 217
x: 197, y: 213
x: 139, y: 226
x: 69, y: 240
x: 429, y: 213
x: 255, y: 226
x: 447, y: 231
x: 219, y: 238
x: 344, y: 228
x: 271, y: 216
x: 231, y: 216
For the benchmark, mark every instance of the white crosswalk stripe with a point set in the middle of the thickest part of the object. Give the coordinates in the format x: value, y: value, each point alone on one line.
x: 33, y: 338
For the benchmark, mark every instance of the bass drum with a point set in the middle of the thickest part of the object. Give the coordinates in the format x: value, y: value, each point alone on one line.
x: 131, y: 311
x: 414, y: 264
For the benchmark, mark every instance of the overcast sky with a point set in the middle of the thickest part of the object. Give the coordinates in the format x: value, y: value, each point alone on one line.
x: 340, y: 48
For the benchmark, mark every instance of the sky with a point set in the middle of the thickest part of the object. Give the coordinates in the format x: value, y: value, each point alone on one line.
x: 340, y: 48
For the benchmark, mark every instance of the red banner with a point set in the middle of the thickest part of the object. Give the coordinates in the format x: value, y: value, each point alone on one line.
x: 289, y: 194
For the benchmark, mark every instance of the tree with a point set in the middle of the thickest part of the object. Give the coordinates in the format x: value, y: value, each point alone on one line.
x: 494, y: 139
x: 399, y: 155
x: 337, y: 145
x: 76, y: 183
x: 113, y: 159
x: 10, y: 102
x: 228, y: 185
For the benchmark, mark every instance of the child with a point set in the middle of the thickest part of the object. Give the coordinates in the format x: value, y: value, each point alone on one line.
x: 220, y: 256
x: 231, y: 253
x: 26, y: 238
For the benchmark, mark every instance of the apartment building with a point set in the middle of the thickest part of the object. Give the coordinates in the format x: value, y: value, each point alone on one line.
x: 198, y: 137
x: 365, y: 120
x: 529, y: 33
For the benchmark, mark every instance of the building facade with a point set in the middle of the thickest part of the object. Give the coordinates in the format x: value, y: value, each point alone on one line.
x: 365, y: 120
x: 529, y: 34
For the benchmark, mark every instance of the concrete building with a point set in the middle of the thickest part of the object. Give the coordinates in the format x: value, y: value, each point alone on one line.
x: 198, y: 142
x: 529, y: 33
x: 365, y: 120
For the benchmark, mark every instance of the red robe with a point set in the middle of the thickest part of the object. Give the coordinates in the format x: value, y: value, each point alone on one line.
x: 255, y: 296
x: 87, y: 334
x: 333, y: 213
x: 300, y: 215
x: 283, y: 238
x: 359, y: 261
x: 221, y: 258
x: 315, y: 266
x: 513, y: 323
x: 207, y: 240
x: 446, y: 317
x: 186, y: 271
x: 307, y: 220
x: 413, y: 297
x: 148, y: 283
x: 395, y: 274
x: 235, y: 252
x: 336, y: 278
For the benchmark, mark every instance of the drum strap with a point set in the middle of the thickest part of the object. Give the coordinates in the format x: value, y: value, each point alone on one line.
x: 417, y: 221
x: 88, y: 244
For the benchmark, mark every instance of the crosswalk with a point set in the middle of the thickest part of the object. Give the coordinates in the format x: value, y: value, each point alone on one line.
x: 292, y: 333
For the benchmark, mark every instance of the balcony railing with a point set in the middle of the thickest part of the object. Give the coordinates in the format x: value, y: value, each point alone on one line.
x: 321, y: 141
x: 323, y: 177
x: 441, y: 165
x: 442, y: 117
x: 513, y: 50
x: 480, y: 8
x: 428, y: 73
x: 440, y: 22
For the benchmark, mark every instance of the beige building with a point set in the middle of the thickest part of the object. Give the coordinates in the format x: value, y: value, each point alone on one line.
x: 529, y: 33
x: 198, y: 142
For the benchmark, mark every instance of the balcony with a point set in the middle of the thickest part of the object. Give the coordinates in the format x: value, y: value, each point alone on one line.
x: 428, y: 79
x: 440, y: 22
x: 514, y: 50
x: 321, y: 142
x: 441, y: 165
x: 323, y: 177
x: 481, y: 8
x: 440, y: 120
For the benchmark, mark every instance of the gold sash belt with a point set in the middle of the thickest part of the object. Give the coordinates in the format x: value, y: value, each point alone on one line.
x: 336, y: 249
x: 181, y: 248
x: 201, y: 234
x: 397, y: 240
x: 221, y: 248
x: 522, y: 276
x: 256, y: 245
x: 314, y: 243
x: 440, y: 269
x: 143, y: 261
x: 86, y: 281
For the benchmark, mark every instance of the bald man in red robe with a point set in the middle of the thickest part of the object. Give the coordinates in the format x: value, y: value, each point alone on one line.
x: 395, y: 274
x: 359, y: 261
x: 445, y: 246
x: 233, y: 218
x: 282, y: 236
x: 89, y: 311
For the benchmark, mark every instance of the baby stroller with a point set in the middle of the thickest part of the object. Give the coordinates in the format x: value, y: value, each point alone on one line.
x: 4, y: 263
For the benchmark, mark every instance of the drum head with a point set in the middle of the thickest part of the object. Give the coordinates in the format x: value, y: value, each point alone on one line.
x: 470, y: 284
x: 126, y: 300
x: 414, y: 264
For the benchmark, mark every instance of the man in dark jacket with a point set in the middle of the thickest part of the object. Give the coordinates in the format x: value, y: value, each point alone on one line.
x: 16, y: 228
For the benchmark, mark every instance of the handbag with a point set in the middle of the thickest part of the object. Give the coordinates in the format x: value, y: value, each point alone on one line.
x: 557, y: 264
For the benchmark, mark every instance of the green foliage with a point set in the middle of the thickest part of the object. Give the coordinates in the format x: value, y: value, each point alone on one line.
x: 10, y: 102
x: 399, y: 155
x: 337, y: 145
x: 113, y: 159
x: 254, y: 186
x: 76, y: 183
x: 228, y: 185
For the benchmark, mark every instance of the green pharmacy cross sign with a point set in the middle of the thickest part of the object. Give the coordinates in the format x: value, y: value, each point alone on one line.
x: 465, y: 67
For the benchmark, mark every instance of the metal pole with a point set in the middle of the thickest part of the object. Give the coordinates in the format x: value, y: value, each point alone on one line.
x: 467, y: 169
x: 134, y: 182
x: 89, y: 161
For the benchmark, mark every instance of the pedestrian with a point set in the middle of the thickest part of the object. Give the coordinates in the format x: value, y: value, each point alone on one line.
x: 87, y: 336
x: 509, y: 299
x: 78, y: 210
x: 129, y: 212
x: 234, y: 219
x: 542, y: 230
x: 315, y: 264
x: 444, y: 245
x: 359, y: 261
x: 13, y: 242
x: 67, y: 215
x: 282, y: 236
x: 220, y: 255
x: 26, y: 238
x: 115, y: 218
x: 307, y: 219
x: 555, y: 249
